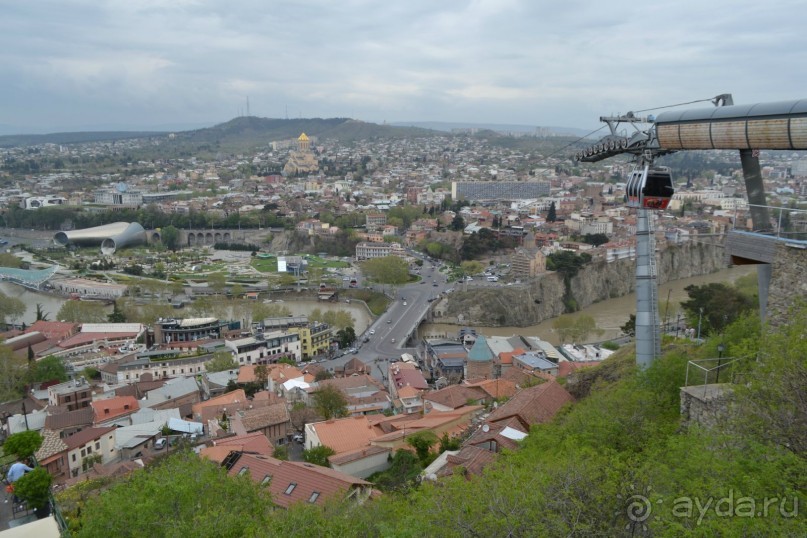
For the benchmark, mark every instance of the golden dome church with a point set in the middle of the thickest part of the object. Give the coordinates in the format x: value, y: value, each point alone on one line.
x: 302, y: 160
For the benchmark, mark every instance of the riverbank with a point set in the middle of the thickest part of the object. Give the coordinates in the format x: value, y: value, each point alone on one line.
x: 609, y: 314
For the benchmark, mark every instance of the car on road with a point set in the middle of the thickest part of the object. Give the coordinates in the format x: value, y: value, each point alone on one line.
x: 392, y: 340
x: 404, y: 303
x: 372, y: 331
x: 297, y: 437
x: 352, y: 350
x: 434, y: 285
x: 389, y: 321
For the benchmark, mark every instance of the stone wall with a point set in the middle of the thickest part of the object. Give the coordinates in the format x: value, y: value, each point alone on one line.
x: 541, y: 298
x: 788, y: 282
x: 706, y: 405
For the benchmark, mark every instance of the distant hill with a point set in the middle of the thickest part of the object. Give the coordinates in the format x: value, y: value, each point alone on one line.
x: 9, y: 141
x: 251, y: 130
x: 497, y: 127
x: 241, y: 132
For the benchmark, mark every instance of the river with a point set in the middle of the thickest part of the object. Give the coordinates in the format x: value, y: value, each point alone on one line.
x: 51, y: 304
x: 610, y: 314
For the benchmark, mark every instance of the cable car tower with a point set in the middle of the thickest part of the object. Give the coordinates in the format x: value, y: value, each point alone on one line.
x: 649, y: 188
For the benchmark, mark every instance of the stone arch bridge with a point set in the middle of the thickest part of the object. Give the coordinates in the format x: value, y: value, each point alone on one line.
x: 190, y: 238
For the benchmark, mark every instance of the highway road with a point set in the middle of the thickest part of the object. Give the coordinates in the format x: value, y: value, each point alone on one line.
x: 391, y: 330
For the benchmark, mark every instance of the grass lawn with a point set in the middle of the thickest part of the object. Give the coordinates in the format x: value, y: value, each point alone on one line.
x: 316, y: 261
x: 268, y: 265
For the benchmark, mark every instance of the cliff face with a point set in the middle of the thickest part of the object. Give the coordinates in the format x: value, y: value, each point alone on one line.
x: 542, y: 298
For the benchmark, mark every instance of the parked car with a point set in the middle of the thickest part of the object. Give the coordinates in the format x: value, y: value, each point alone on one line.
x: 297, y: 438
x: 393, y: 340
x: 159, y: 444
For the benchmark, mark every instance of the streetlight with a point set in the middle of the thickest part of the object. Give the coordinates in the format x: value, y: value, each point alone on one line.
x: 700, y: 318
x: 720, y: 349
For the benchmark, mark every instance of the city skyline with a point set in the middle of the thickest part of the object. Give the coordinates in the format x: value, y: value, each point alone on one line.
x: 187, y: 64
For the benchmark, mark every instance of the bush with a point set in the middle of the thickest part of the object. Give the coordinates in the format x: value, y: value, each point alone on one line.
x: 34, y: 487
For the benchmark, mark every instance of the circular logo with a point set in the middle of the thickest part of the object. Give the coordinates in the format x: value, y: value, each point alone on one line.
x: 638, y: 508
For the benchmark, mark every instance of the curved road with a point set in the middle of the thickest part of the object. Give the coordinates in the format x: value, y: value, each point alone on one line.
x: 397, y: 323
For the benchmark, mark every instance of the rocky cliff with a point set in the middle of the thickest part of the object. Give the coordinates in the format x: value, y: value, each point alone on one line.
x: 542, y: 298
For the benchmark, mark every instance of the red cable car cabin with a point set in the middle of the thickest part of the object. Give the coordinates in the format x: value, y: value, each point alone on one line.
x: 649, y: 188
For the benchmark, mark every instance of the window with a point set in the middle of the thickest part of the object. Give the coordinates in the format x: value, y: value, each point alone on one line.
x: 89, y: 450
x: 98, y: 445
x: 243, y: 471
x: 314, y: 496
x: 290, y: 488
x: 74, y: 457
x: 83, y: 453
x: 266, y: 480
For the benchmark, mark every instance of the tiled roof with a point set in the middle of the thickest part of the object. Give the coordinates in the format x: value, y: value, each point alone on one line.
x: 81, y: 339
x: 62, y: 421
x: 473, y: 459
x: 345, y: 434
x: 292, y: 482
x: 228, y: 398
x: 356, y: 455
x: 263, y: 417
x: 506, y: 357
x: 51, y: 445
x: 497, y: 388
x: 85, y: 436
x: 534, y: 405
x: 114, y: 407
x: 253, y: 443
x: 246, y: 373
x: 54, y: 329
x: 455, y: 396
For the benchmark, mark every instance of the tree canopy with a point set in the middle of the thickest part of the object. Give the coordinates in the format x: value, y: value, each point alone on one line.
x: 82, y: 312
x: 221, y: 361
x: 330, y: 402
x: 23, y: 444
x: 387, y: 270
x: 720, y: 304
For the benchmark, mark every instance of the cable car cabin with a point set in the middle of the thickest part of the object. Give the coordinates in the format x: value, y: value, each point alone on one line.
x: 649, y: 188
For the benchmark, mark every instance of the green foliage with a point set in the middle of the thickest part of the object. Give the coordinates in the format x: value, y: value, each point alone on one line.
x: 117, y: 315
x: 404, y: 469
x: 10, y: 260
x: 34, y: 487
x: 182, y: 495
x: 82, y: 312
x: 552, y: 215
x: 387, y: 270
x: 595, y: 239
x: 319, y: 455
x: 23, y: 444
x: 567, y: 263
x: 346, y: 337
x: 221, y: 361
x: 720, y: 305
x: 422, y: 442
x: 574, y: 329
x: 457, y: 223
x: 629, y: 328
x: 449, y: 443
x: 48, y: 369
x: 484, y: 242
x: 330, y: 403
x: 322, y: 375
x: 334, y: 318
x: 169, y: 236
x: 472, y: 267
x: 11, y: 308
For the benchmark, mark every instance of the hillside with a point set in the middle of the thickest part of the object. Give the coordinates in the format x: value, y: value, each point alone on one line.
x: 9, y: 141
x: 616, y: 463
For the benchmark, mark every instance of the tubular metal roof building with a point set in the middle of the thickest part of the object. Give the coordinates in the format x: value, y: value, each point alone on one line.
x: 110, y: 236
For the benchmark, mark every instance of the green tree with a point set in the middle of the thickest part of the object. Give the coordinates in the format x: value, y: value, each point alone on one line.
x: 595, y: 239
x: 117, y: 315
x: 261, y: 375
x: 319, y: 455
x: 721, y: 305
x: 551, y: 215
x: 330, y: 402
x: 322, y: 375
x: 387, y: 270
x: 472, y: 267
x: 422, y: 442
x: 221, y: 361
x: 11, y: 308
x: 281, y: 452
x: 449, y: 443
x: 629, y: 328
x: 169, y: 236
x: 82, y: 312
x: 41, y: 315
x: 34, y: 487
x: 12, y: 374
x: 346, y: 337
x: 457, y: 223
x: 182, y: 495
x: 10, y: 260
x: 48, y: 369
x: 23, y: 444
x: 217, y: 281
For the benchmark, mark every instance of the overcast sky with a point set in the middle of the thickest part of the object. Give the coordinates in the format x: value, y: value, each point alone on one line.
x: 68, y: 64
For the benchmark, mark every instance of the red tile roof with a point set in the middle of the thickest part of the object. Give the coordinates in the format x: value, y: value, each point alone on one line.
x: 533, y: 405
x: 114, y: 407
x: 296, y: 482
x: 85, y: 436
